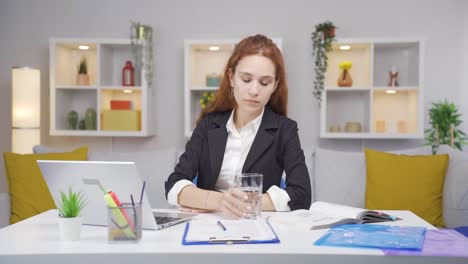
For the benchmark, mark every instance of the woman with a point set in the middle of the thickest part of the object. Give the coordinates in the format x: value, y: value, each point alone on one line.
x: 245, y: 129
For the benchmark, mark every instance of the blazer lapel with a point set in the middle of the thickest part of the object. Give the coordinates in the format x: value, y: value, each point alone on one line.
x: 217, y: 138
x: 262, y: 140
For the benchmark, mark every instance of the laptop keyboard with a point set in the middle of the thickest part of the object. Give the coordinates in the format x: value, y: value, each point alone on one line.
x: 162, y: 220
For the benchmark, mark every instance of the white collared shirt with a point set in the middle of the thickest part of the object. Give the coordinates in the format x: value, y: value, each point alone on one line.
x: 238, y: 146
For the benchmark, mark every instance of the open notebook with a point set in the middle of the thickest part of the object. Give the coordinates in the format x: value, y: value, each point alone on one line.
x: 324, y: 215
x: 213, y: 231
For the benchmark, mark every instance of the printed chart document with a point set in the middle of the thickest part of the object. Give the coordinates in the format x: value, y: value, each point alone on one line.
x: 212, y: 231
x: 324, y: 215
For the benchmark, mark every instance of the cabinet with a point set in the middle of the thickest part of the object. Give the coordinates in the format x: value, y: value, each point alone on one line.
x: 105, y: 59
x: 373, y: 107
x: 204, y: 62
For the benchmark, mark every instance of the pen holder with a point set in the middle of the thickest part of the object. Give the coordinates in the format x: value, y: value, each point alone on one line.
x: 124, y: 223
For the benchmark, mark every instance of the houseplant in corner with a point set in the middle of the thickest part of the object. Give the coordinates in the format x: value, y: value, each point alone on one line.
x: 322, y: 39
x: 82, y: 78
x: 69, y: 207
x: 444, y: 121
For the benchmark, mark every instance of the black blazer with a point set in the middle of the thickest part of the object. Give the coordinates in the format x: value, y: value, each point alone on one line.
x: 276, y: 148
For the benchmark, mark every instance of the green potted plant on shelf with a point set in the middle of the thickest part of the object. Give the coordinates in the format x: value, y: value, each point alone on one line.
x: 444, y: 121
x: 82, y: 78
x: 69, y: 207
x: 322, y: 39
x: 206, y: 99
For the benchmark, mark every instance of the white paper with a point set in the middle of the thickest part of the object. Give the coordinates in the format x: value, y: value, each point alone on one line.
x: 206, y: 229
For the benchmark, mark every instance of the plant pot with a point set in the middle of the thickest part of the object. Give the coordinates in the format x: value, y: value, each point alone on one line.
x: 345, y: 79
x: 82, y: 79
x: 70, y: 228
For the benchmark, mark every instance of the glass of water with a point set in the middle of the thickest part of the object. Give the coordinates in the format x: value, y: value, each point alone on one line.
x: 252, y: 185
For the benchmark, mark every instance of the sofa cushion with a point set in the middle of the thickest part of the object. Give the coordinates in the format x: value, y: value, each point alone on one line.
x: 401, y: 182
x: 153, y: 166
x: 339, y: 177
x: 455, y: 198
x: 29, y: 194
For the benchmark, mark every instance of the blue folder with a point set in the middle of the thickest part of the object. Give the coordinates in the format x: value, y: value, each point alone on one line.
x: 236, y: 239
x: 374, y: 236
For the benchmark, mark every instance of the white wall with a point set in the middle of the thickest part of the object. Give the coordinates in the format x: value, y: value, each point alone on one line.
x: 464, y: 89
x: 25, y: 27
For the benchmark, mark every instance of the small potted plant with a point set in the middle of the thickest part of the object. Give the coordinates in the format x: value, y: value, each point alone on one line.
x: 444, y: 121
x: 322, y: 39
x: 69, y: 207
x: 206, y: 99
x: 82, y: 78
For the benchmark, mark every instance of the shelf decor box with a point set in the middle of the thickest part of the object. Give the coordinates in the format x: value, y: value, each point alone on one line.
x: 121, y: 120
x: 120, y: 105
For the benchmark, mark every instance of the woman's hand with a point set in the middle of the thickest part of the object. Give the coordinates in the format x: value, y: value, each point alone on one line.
x: 234, y: 204
x: 194, y: 210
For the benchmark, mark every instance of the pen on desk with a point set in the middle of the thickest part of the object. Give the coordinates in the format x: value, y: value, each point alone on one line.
x: 221, y: 225
x: 142, y: 191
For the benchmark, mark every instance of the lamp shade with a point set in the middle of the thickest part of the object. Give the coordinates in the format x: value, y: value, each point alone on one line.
x: 26, y: 109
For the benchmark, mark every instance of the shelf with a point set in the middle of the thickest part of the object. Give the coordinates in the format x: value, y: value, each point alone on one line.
x: 347, y: 89
x: 403, y: 56
x: 67, y: 60
x: 347, y: 107
x: 359, y: 54
x: 204, y: 61
x: 106, y: 58
x: 88, y: 133
x: 370, y: 136
x: 383, y: 111
x: 204, y: 88
x: 77, y: 87
x: 395, y: 113
x: 113, y: 58
x: 78, y: 100
x: 397, y: 88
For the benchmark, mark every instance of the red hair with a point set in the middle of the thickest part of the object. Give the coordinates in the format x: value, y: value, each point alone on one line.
x: 253, y: 45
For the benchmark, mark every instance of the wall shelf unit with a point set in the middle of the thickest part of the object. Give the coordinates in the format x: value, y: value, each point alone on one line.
x: 203, y: 57
x: 370, y: 108
x: 105, y: 60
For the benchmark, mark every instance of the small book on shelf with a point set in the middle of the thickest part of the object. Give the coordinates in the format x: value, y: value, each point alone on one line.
x: 325, y: 215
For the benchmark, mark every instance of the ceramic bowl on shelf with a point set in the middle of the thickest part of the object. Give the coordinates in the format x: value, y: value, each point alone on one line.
x: 353, y: 127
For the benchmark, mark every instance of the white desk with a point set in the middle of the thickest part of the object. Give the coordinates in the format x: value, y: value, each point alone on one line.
x: 36, y: 240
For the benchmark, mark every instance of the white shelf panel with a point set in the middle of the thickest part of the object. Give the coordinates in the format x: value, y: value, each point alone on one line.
x: 204, y: 88
x: 99, y: 133
x: 371, y: 136
x: 347, y: 89
x: 122, y: 88
x: 397, y: 88
x: 77, y: 87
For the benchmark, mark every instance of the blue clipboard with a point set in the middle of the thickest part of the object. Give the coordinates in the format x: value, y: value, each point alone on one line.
x: 229, y: 241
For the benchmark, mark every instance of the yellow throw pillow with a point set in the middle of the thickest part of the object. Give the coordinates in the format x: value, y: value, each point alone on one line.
x: 401, y: 182
x: 29, y: 194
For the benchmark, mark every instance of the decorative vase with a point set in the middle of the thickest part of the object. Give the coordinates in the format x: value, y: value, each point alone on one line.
x: 90, y: 119
x: 82, y: 79
x: 70, y: 228
x: 393, y: 79
x: 345, y: 80
x: 81, y: 124
x: 72, y: 119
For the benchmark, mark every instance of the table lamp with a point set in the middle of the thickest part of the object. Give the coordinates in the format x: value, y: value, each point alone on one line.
x: 26, y: 109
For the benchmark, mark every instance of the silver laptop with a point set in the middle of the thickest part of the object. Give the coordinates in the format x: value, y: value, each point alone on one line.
x: 121, y: 177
